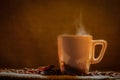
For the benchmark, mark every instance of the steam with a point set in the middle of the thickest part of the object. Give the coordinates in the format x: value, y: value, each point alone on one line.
x: 80, y: 28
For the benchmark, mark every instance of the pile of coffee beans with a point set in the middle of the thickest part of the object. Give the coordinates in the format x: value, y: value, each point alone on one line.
x: 45, y: 70
x: 51, y: 70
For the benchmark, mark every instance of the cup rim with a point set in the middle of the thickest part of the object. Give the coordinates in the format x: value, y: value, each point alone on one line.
x: 75, y: 35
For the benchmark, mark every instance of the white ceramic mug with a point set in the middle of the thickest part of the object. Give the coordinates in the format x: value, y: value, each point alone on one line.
x: 77, y: 52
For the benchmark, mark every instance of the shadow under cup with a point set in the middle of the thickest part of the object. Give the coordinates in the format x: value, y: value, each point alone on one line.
x: 76, y: 53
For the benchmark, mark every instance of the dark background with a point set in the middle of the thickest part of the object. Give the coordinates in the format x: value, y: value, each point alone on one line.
x: 29, y: 30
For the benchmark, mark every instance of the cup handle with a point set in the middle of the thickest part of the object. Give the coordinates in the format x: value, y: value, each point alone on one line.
x: 104, y: 46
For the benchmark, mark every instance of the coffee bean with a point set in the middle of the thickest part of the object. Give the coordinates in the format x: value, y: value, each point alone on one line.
x: 45, y: 68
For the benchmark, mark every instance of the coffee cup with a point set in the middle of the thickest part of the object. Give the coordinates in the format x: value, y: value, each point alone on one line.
x: 77, y: 52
